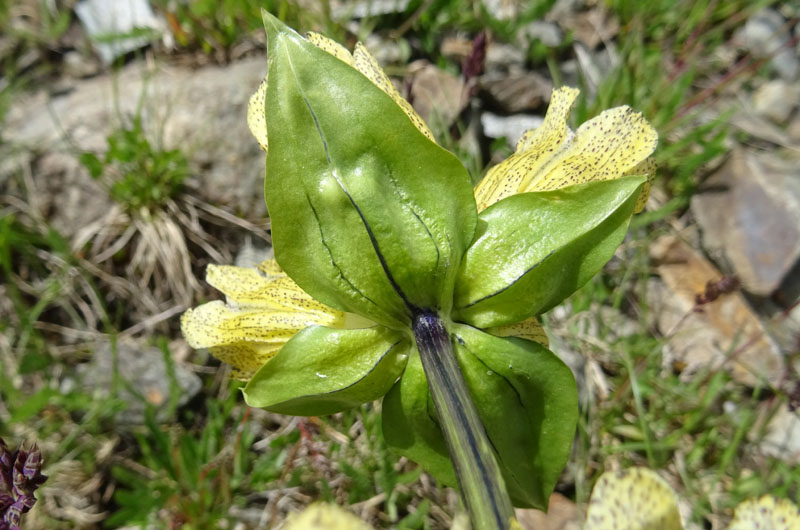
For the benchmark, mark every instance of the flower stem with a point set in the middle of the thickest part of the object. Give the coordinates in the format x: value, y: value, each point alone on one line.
x: 479, y: 478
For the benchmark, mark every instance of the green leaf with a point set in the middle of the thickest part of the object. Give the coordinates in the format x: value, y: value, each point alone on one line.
x: 532, y: 250
x: 527, y: 401
x: 324, y: 370
x: 368, y: 215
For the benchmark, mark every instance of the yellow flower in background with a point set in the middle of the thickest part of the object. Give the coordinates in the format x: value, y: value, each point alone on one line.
x: 323, y: 516
x: 631, y: 499
x: 638, y: 499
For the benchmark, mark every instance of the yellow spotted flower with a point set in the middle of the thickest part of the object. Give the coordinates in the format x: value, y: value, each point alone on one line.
x: 638, y: 499
x: 394, y: 279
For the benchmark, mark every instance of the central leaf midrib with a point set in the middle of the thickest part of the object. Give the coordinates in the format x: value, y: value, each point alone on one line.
x: 373, y: 240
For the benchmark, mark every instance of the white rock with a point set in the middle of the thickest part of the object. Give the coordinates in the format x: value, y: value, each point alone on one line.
x: 547, y: 32
x: 783, y: 436
x: 510, y: 127
x: 103, y: 20
x: 776, y: 100
x: 765, y: 35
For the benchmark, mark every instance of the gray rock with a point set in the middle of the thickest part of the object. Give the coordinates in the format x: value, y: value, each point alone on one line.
x: 766, y: 35
x: 103, y: 20
x: 200, y: 112
x: 548, y: 33
x: 250, y: 255
x: 776, y: 100
x: 724, y: 333
x: 510, y: 127
x: 388, y: 51
x: 563, y: 9
x: 349, y: 9
x: 438, y: 96
x: 590, y: 27
x: 595, y: 66
x: 793, y: 130
x: 503, y: 57
x: 517, y: 92
x: 144, y: 379
x: 503, y: 9
x: 784, y: 327
x: 783, y: 436
x: 750, y: 218
x: 758, y: 127
x: 78, y: 65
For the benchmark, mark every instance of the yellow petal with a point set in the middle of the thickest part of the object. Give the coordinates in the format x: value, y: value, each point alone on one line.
x: 331, y: 46
x: 256, y: 119
x: 265, y: 309
x: 245, y: 357
x: 603, y: 148
x: 256, y: 288
x: 217, y: 324
x: 615, y: 143
x: 367, y: 65
x: 766, y: 513
x: 529, y: 329
x: 634, y: 499
x: 324, y: 517
x: 270, y: 267
x: 648, y: 167
x: 534, y: 150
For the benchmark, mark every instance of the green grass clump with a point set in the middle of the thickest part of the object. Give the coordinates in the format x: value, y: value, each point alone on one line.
x: 138, y: 174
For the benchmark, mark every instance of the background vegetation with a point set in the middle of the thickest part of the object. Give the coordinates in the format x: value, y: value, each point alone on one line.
x: 214, y: 463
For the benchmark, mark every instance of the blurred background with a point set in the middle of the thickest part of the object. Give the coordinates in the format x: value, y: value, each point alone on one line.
x: 126, y: 167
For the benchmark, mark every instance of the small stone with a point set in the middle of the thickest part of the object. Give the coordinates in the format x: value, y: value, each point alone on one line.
x: 783, y: 435
x: 438, y: 97
x: 793, y: 129
x: 776, y: 100
x: 595, y: 66
x: 548, y: 33
x: 456, y: 47
x: 143, y: 370
x: 564, y: 9
x: 116, y: 19
x: 591, y: 27
x: 784, y: 325
x: 517, y: 92
x: 78, y: 65
x: 502, y: 57
x: 503, y: 9
x: 388, y: 51
x: 766, y: 36
x: 562, y: 514
x: 350, y: 10
x: 757, y: 127
x: 510, y: 127
x: 251, y: 256
x: 723, y: 333
x: 749, y: 215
